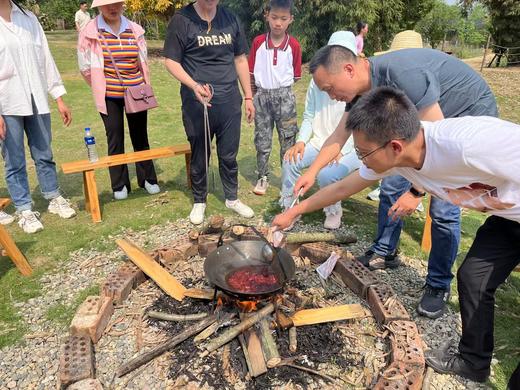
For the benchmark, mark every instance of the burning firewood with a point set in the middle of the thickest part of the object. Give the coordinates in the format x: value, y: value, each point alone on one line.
x: 176, y: 317
x: 233, y: 332
x: 302, y: 238
x: 146, y: 357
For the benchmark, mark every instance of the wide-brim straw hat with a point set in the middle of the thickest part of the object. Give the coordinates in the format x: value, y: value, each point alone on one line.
x: 97, y: 3
x: 408, y: 39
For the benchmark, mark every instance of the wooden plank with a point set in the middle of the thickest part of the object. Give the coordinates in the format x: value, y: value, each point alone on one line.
x: 426, y: 243
x: 14, y: 253
x: 89, y: 181
x: 159, y: 275
x: 328, y: 314
x: 125, y: 158
x: 254, y: 350
x: 199, y: 293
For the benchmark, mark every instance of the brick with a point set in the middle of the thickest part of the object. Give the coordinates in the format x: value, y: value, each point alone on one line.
x: 399, y: 376
x: 406, y: 343
x: 385, y: 305
x: 117, y: 286
x: 208, y: 243
x: 92, y: 319
x: 134, y: 271
x: 86, y: 384
x: 318, y: 252
x: 355, y: 275
x: 76, y: 360
x: 250, y: 235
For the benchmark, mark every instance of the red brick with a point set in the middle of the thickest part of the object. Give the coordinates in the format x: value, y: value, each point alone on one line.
x: 385, y: 305
x: 76, y: 360
x: 318, y: 252
x: 134, y: 271
x: 208, y: 243
x: 406, y: 343
x: 399, y: 376
x: 250, y: 235
x: 355, y: 275
x: 91, y: 319
x: 118, y: 286
x: 86, y: 384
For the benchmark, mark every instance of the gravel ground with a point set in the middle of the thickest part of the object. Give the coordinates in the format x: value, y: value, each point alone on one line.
x: 33, y: 363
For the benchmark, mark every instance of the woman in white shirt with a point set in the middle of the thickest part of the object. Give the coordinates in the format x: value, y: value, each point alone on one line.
x: 27, y: 74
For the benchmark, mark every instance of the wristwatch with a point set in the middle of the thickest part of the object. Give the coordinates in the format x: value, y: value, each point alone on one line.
x: 416, y: 193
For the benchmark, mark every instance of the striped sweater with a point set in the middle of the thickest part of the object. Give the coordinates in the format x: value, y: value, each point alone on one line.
x: 125, y: 52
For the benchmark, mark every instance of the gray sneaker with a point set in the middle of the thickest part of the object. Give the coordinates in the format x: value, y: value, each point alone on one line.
x: 261, y: 186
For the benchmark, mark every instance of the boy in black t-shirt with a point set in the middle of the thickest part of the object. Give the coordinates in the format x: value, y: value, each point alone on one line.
x: 274, y: 64
x: 205, y: 49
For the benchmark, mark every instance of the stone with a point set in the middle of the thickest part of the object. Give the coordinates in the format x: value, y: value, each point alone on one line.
x: 91, y: 319
x: 86, y: 384
x: 76, y: 360
x: 385, y: 305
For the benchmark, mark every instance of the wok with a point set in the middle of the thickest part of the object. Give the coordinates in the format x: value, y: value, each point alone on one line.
x: 231, y: 257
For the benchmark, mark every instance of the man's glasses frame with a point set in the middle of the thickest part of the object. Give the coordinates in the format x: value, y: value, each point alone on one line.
x: 364, y: 156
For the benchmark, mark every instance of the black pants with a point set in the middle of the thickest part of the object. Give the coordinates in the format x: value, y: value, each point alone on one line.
x: 224, y: 118
x: 492, y: 257
x: 115, y: 131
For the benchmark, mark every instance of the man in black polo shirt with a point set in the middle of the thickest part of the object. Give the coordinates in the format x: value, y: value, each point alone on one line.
x: 205, y: 50
x: 440, y: 86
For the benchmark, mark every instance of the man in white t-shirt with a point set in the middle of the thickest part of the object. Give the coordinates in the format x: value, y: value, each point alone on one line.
x: 472, y: 162
x: 82, y: 16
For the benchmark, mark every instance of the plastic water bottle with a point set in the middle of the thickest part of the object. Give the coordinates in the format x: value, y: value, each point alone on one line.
x: 90, y: 143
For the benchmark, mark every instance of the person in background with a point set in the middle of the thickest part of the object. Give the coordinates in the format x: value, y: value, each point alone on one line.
x: 322, y: 115
x: 205, y: 49
x: 472, y: 162
x: 275, y: 61
x: 82, y: 16
x: 361, y: 33
x: 27, y: 75
x: 111, y: 31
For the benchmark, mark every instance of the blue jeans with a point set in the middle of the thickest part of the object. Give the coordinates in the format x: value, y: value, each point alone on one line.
x: 328, y: 175
x: 445, y: 231
x: 38, y: 130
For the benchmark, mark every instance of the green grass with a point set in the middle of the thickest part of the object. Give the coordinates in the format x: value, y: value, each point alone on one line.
x: 49, y: 249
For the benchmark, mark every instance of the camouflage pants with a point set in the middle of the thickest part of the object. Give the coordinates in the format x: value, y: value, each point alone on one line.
x: 274, y: 106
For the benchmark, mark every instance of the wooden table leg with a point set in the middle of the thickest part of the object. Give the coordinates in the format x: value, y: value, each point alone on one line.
x: 426, y: 244
x: 91, y: 195
x: 85, y: 191
x: 187, y: 157
x: 14, y: 253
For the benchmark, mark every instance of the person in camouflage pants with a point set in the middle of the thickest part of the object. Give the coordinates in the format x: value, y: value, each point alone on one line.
x: 274, y: 106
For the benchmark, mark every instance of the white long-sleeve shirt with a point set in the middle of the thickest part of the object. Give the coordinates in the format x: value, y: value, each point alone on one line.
x: 320, y: 119
x: 26, y: 66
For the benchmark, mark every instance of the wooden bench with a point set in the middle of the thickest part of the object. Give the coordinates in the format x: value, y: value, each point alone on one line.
x: 10, y: 247
x: 89, y: 181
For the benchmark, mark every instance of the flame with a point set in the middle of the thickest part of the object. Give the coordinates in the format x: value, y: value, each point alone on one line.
x: 246, y: 306
x: 220, y: 302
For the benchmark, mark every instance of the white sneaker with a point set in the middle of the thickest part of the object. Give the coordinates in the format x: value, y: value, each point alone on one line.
x: 29, y: 221
x: 62, y: 207
x: 261, y: 186
x: 374, y: 195
x: 6, y: 219
x: 197, y: 213
x: 241, y: 209
x: 151, y: 188
x: 121, y: 194
x: 333, y: 221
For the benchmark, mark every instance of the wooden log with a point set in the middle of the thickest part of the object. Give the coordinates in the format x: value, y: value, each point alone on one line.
x: 283, y: 321
x: 176, y: 317
x: 302, y: 238
x: 233, y: 332
x: 237, y: 231
x: 223, y: 320
x: 158, y: 274
x: 146, y: 357
x: 271, y: 355
x: 327, y: 314
x: 293, y: 341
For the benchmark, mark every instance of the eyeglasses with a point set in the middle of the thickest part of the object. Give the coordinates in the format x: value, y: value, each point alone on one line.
x: 364, y: 156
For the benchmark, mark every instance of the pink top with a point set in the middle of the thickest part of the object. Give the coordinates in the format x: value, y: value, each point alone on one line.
x: 359, y: 43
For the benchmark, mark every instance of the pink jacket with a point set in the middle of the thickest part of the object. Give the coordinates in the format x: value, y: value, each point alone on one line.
x: 91, y: 62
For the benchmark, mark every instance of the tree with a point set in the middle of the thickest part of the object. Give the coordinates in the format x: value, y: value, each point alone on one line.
x: 441, y: 21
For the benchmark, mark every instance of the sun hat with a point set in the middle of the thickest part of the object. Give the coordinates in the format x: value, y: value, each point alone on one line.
x: 345, y: 39
x: 407, y: 39
x: 97, y: 3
